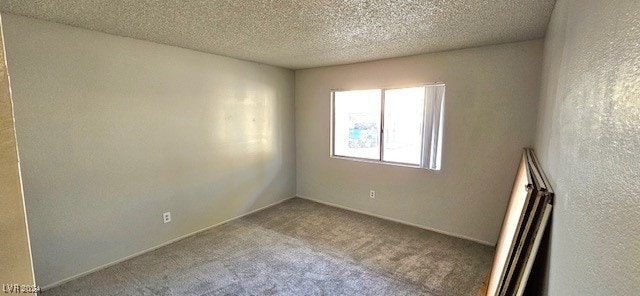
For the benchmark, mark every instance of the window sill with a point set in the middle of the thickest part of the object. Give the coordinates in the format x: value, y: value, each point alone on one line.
x: 373, y: 161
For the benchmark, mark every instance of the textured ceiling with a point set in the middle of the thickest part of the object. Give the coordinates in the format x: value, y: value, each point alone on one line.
x: 303, y: 33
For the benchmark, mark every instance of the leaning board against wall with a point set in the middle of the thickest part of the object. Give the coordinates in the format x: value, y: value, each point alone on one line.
x: 522, y: 229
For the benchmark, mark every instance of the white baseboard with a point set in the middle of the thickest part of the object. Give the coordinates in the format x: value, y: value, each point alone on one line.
x: 58, y: 283
x: 400, y: 221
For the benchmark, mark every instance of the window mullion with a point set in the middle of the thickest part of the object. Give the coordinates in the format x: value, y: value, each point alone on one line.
x: 382, y: 125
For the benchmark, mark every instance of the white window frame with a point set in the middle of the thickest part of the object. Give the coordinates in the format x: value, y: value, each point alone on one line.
x: 432, y: 129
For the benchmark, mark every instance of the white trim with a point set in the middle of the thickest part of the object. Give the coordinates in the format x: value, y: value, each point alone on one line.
x: 391, y: 87
x: 400, y: 221
x: 60, y: 282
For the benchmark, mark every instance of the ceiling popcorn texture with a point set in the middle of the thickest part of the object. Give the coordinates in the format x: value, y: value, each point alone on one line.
x: 301, y: 34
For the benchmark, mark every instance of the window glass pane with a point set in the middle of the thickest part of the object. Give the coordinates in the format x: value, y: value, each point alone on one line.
x: 357, y: 123
x: 403, y: 125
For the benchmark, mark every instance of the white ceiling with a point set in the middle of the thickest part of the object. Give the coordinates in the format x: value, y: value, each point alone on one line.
x: 300, y: 34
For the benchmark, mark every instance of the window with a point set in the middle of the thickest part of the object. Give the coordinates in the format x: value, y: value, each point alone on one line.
x: 396, y: 126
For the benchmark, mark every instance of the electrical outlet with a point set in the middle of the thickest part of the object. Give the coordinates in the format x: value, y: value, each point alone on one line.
x: 372, y: 194
x: 166, y: 217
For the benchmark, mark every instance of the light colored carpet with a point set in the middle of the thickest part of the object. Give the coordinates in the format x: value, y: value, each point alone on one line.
x: 298, y: 248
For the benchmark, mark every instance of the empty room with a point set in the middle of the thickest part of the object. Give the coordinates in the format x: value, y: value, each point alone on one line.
x: 214, y: 147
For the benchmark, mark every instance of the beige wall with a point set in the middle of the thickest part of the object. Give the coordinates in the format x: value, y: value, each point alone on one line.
x: 490, y: 114
x: 15, y: 256
x: 588, y: 141
x: 115, y: 131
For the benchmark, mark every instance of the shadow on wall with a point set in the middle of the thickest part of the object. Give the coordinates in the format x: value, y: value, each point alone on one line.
x: 246, y: 134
